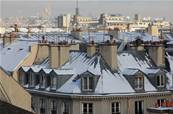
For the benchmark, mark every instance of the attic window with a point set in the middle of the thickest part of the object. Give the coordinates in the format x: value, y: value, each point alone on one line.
x: 160, y: 81
x: 139, y: 82
x: 87, y: 83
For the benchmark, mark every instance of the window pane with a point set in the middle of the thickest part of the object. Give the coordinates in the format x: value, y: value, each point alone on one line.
x: 85, y: 82
x: 158, y: 81
x: 90, y: 83
x: 90, y: 107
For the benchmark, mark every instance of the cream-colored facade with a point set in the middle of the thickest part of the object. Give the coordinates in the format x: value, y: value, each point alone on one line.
x: 13, y: 93
x: 153, y: 30
x: 101, y: 104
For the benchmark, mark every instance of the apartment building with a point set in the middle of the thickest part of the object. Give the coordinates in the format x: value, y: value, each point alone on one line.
x: 99, y: 81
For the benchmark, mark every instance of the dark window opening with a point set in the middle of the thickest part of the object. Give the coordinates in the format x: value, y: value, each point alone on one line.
x: 139, y: 109
x: 87, y: 108
x: 116, y: 108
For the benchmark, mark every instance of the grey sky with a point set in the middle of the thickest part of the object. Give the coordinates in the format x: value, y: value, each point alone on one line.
x: 153, y: 8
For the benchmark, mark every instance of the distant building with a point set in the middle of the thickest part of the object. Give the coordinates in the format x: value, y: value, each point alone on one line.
x: 114, y: 21
x: 64, y: 21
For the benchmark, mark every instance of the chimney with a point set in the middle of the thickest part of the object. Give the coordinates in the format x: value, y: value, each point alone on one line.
x: 91, y: 49
x: 42, y: 52
x: 157, y: 53
x: 114, y: 33
x: 109, y: 53
x: 59, y: 54
x: 16, y: 29
x: 153, y: 30
x: 8, y: 38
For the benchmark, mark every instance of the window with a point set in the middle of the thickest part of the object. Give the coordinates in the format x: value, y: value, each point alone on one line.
x: 87, y: 108
x: 66, y: 108
x: 53, y: 82
x: 42, y: 106
x: 23, y: 78
x: 139, y: 82
x: 160, y: 102
x: 37, y: 80
x: 88, y: 83
x: 48, y: 81
x: 115, y: 108
x: 160, y: 81
x: 32, y: 79
x: 139, y: 107
x: 42, y: 81
x: 53, y: 107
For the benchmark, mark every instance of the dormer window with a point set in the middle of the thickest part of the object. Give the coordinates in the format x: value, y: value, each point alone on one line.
x: 139, y: 82
x: 160, y: 81
x: 53, y: 82
x: 88, y: 83
x: 42, y: 81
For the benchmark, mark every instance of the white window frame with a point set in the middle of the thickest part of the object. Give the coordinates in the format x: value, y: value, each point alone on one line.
x: 141, y: 105
x: 138, y: 81
x: 116, y: 107
x: 53, y: 82
x: 87, y: 83
x: 87, y: 108
x: 66, y: 108
x: 159, y: 102
x: 161, y: 81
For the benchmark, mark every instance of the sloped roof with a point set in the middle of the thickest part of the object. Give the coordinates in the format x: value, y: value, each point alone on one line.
x: 108, y: 82
x: 134, y: 60
x: 132, y: 36
x: 13, y: 54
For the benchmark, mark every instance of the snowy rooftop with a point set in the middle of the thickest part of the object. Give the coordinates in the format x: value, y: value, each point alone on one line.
x: 132, y: 36
x: 13, y: 54
x: 109, y: 82
x: 95, y: 36
x: 168, y: 36
x: 134, y: 60
x: 52, y: 37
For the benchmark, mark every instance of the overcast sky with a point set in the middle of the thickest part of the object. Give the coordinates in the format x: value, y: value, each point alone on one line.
x: 161, y: 8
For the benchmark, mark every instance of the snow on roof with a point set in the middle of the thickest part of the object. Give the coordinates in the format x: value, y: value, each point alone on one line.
x: 170, y: 42
x: 64, y: 71
x: 170, y: 80
x: 130, y: 71
x: 169, y: 36
x: 1, y: 44
x: 95, y: 36
x: 151, y: 71
x: 132, y: 36
x: 134, y: 60
x: 25, y: 68
x: 112, y: 83
x: 170, y: 60
x: 12, y: 55
x: 52, y: 37
x: 108, y: 81
x: 148, y: 86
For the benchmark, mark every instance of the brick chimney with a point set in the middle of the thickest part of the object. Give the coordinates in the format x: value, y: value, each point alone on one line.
x: 58, y: 54
x: 109, y: 53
